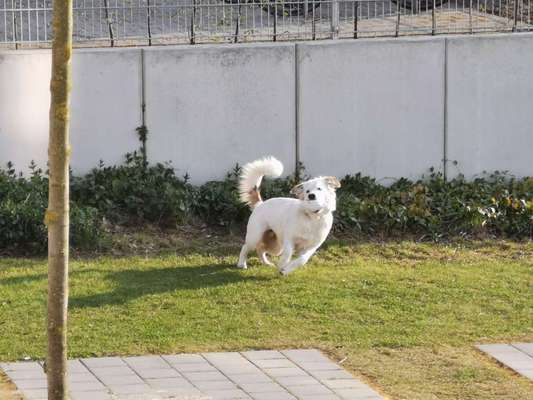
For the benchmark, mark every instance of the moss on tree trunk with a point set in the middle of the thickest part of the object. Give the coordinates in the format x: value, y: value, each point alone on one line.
x: 57, y: 215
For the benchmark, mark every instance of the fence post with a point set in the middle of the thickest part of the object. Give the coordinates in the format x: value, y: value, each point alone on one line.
x: 109, y: 23
x: 148, y: 22
x: 445, y: 115
x: 470, y: 22
x: 275, y: 32
x: 355, y: 19
x: 15, y: 33
x: 193, y: 18
x: 237, y: 22
x: 515, y: 16
x: 433, y: 19
x: 313, y: 21
x: 297, y: 89
x: 335, y: 19
x: 398, y: 14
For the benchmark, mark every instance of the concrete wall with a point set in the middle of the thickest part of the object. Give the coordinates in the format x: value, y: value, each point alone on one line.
x: 490, y: 104
x: 105, y: 104
x: 372, y: 106
x: 211, y: 107
x: 24, y: 106
x: 384, y: 107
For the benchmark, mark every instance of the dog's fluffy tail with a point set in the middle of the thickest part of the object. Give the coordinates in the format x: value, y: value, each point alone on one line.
x: 252, y: 175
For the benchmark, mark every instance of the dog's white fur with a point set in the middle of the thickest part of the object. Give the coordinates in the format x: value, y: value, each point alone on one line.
x: 286, y: 226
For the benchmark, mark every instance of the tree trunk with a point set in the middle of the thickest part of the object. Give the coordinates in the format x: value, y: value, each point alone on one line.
x: 57, y: 215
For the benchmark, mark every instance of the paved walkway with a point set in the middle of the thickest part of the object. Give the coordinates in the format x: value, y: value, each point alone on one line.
x: 258, y: 375
x: 517, y: 356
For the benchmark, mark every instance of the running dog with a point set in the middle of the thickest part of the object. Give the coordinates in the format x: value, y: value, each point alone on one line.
x: 285, y: 226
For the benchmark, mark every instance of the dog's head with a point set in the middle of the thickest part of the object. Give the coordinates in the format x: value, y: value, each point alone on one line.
x: 318, y: 194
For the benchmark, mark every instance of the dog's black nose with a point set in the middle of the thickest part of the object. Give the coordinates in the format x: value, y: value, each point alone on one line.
x: 311, y: 196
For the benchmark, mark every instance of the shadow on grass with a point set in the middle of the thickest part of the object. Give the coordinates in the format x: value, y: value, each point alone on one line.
x: 135, y: 283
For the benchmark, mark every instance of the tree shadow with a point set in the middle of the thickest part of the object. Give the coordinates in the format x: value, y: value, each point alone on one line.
x: 17, y: 280
x: 134, y: 283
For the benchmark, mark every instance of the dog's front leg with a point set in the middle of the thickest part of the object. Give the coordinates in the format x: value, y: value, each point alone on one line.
x: 286, y: 255
x: 299, y: 261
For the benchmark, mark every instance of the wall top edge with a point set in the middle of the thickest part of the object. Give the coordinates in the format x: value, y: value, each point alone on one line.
x: 266, y: 45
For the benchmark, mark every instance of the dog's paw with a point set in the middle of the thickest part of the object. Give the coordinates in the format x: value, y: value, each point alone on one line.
x: 242, y: 266
x: 284, y: 272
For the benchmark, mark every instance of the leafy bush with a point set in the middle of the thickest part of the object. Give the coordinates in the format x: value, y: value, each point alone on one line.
x: 136, y: 192
x: 495, y: 204
x: 217, y: 202
x: 23, y: 202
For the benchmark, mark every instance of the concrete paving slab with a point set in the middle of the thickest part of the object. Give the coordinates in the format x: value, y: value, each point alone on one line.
x: 319, y: 366
x: 227, y: 394
x: 75, y: 367
x: 215, y: 385
x: 35, y: 394
x: 310, y: 390
x: 31, y: 384
x: 274, y: 363
x: 343, y: 383
x: 194, y: 367
x: 516, y: 356
x: 91, y: 386
x: 356, y: 394
x: 524, y: 347
x: 144, y: 362
x: 183, y: 358
x: 25, y: 374
x: 122, y: 370
x: 250, y: 378
x: 170, y: 383
x: 103, y: 395
x: 297, y: 380
x: 272, y: 396
x: 204, y: 376
x: 103, y: 362
x: 320, y: 397
x: 255, y: 375
x: 158, y: 373
x: 285, y: 372
x: 528, y: 373
x: 20, y: 366
x: 82, y: 377
x: 261, y: 387
x: 262, y: 355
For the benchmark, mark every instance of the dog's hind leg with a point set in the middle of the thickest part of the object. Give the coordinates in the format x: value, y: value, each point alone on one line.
x: 264, y: 259
x: 244, y: 254
x: 253, y: 238
x: 268, y: 244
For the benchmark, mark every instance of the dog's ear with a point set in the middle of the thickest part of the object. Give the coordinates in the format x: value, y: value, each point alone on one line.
x: 332, y: 182
x: 298, y: 190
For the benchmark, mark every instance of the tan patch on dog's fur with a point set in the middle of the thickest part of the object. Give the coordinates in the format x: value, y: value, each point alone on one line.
x: 255, y: 196
x: 299, y: 245
x: 269, y: 244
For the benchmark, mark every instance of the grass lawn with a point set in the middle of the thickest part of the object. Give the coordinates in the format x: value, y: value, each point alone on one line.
x: 405, y: 315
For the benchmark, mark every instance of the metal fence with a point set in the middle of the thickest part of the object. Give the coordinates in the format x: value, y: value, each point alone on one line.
x: 27, y: 23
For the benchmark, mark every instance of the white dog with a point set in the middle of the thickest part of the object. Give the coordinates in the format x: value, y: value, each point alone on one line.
x: 286, y: 226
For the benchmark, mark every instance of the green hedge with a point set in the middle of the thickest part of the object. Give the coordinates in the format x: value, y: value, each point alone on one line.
x: 23, y: 201
x: 134, y: 193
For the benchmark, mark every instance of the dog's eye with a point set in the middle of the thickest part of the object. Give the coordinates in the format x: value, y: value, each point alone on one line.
x: 307, y: 191
x: 319, y: 188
